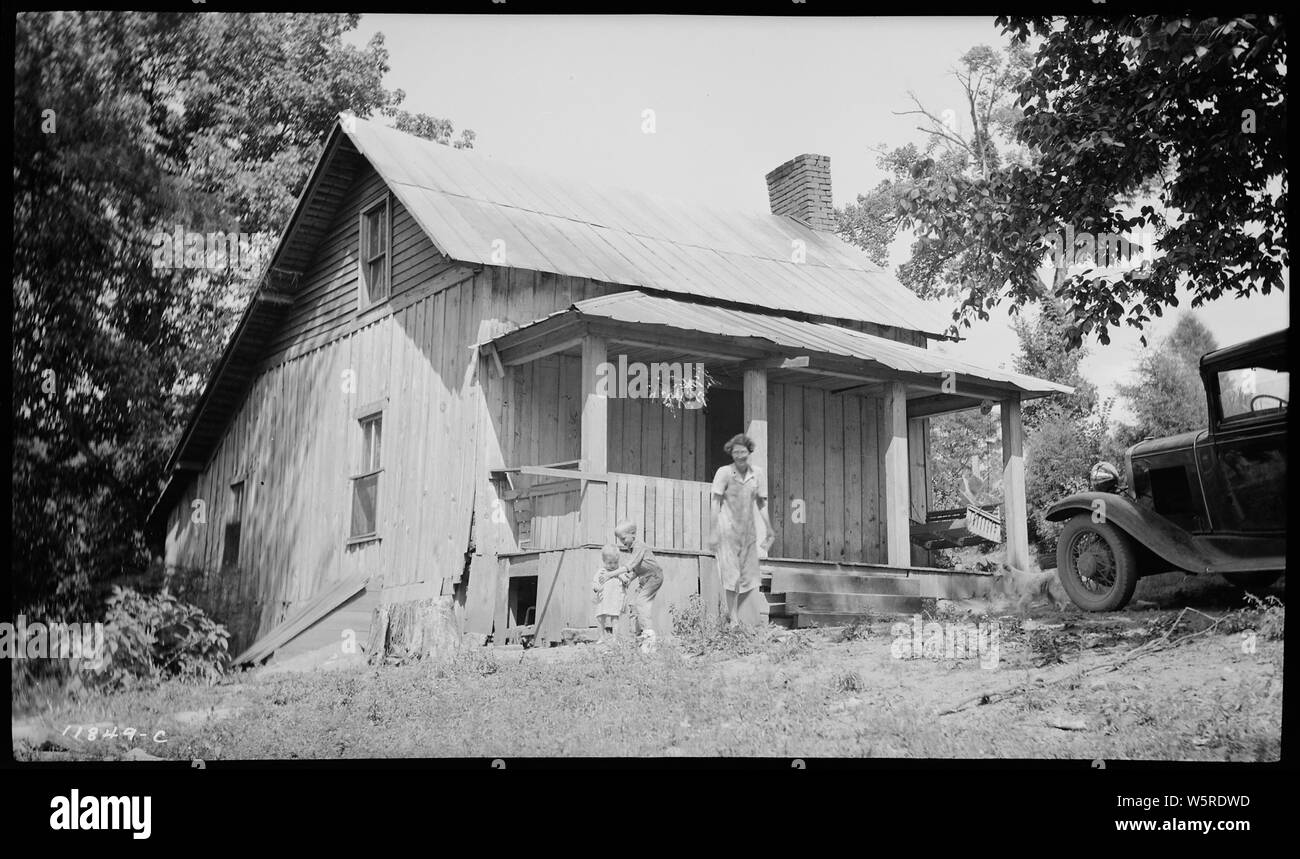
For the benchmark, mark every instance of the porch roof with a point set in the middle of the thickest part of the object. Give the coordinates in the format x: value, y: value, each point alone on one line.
x: 747, y: 336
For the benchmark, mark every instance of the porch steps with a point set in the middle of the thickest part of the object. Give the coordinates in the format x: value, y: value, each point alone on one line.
x: 803, y: 595
x: 774, y: 606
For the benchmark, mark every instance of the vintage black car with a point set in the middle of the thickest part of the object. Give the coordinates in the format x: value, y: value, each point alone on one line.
x: 1208, y: 501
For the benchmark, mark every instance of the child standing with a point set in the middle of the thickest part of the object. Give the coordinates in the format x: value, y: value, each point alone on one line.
x: 608, y: 591
x: 641, y: 565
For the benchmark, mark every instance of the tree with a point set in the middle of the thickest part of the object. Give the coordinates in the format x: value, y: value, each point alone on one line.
x: 1107, y: 112
x: 1044, y: 354
x: 1196, y: 110
x: 127, y: 125
x: 936, y: 190
x: 432, y: 128
x: 1059, y: 453
x: 1167, y: 395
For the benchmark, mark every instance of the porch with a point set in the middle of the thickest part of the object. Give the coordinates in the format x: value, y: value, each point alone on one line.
x: 840, y: 423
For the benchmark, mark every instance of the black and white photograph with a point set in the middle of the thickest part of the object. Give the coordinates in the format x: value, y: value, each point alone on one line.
x: 684, y: 389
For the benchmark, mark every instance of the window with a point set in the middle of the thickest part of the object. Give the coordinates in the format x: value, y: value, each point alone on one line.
x: 365, y: 484
x: 374, y: 252
x: 230, y: 550
x: 1256, y: 390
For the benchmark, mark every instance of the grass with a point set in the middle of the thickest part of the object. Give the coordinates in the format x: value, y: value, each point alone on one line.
x: 713, y: 691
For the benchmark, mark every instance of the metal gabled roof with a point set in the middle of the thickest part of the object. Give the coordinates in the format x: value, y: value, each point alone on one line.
x: 480, y: 210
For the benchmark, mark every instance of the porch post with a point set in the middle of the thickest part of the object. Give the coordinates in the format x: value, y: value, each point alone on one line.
x: 594, y: 446
x: 898, y: 545
x: 755, y: 409
x: 756, y: 414
x: 1014, y: 508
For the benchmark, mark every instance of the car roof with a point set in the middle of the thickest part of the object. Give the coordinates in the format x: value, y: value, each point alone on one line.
x: 1275, y: 342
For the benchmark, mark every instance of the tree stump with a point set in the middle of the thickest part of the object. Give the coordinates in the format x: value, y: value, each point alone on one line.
x: 420, y: 629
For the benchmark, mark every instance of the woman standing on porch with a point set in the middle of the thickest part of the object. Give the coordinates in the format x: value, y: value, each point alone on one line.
x: 739, y: 499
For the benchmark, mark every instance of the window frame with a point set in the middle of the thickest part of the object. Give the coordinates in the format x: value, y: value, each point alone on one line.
x: 366, y: 255
x: 371, y: 466
x: 238, y: 492
x: 1210, y: 375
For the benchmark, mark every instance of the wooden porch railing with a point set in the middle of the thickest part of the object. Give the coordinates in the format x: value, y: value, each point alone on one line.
x: 669, y: 514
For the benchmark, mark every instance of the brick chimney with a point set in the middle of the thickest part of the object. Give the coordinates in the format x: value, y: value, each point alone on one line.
x: 801, y: 188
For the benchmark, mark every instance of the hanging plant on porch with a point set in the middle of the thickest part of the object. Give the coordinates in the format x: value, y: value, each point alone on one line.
x: 686, y: 390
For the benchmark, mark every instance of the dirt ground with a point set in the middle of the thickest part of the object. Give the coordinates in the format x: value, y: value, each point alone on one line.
x: 1187, y: 673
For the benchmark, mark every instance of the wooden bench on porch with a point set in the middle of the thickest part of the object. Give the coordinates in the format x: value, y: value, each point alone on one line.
x: 957, y: 527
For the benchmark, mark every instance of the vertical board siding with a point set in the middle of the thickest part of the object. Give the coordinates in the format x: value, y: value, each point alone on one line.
x: 824, y: 466
x: 325, y: 299
x: 296, y: 442
x: 657, y: 505
x: 646, y: 438
x: 564, y: 590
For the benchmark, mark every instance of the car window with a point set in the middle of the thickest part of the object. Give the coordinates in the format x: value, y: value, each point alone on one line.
x: 1253, y: 390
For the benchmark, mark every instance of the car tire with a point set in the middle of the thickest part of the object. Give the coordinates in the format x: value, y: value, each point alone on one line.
x: 1253, y: 582
x: 1087, y: 543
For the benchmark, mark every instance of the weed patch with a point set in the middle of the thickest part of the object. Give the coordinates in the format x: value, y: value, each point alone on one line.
x: 848, y: 681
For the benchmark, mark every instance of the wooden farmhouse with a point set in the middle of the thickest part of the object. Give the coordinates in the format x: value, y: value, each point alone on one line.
x: 432, y: 403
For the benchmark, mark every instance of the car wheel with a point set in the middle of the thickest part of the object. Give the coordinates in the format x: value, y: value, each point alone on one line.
x: 1097, y: 564
x: 1253, y: 582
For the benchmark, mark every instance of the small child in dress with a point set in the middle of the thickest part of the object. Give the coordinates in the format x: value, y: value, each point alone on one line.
x: 608, y: 591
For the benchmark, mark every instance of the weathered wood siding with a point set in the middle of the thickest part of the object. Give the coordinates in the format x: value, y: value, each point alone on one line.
x: 295, y: 440
x: 544, y: 424
x: 669, y: 514
x: 326, y: 297
x: 564, y: 597
x: 823, y: 453
x: 647, y: 438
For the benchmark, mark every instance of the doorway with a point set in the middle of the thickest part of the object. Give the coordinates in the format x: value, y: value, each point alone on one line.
x: 724, y: 416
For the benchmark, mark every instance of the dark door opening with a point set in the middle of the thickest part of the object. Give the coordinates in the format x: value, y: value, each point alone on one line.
x: 522, y: 601
x: 724, y: 416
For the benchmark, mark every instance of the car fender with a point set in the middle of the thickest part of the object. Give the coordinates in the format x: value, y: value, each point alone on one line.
x: 1146, y: 527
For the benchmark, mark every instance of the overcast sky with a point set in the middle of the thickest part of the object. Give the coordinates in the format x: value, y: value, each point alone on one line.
x: 732, y: 98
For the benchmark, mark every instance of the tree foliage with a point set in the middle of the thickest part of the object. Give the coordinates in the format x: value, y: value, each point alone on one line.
x: 127, y: 125
x: 960, y: 449
x: 1044, y: 354
x: 1058, y: 456
x: 1196, y: 110
x: 930, y: 188
x: 1166, y: 394
x: 1108, y: 127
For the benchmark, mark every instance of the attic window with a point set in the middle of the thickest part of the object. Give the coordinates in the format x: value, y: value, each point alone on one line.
x: 375, y: 252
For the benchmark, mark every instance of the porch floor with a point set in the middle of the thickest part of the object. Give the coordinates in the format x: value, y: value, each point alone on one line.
x: 804, y: 593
